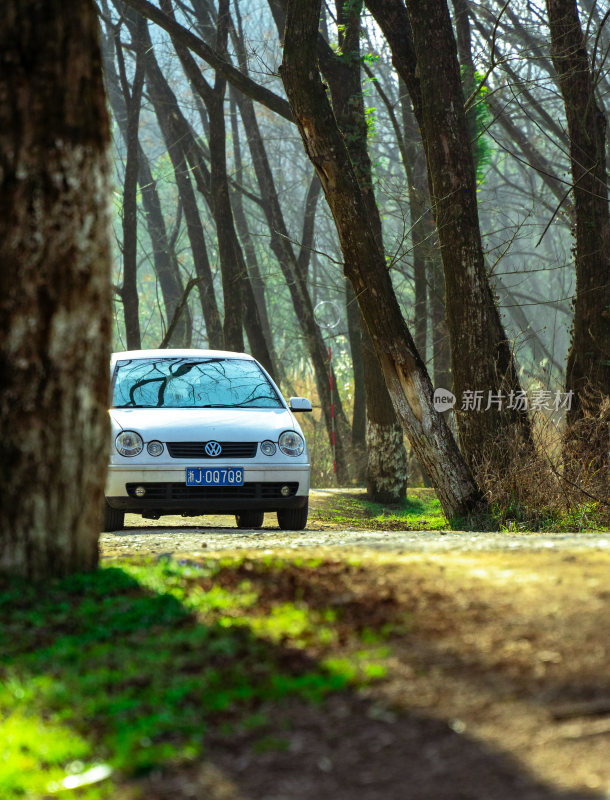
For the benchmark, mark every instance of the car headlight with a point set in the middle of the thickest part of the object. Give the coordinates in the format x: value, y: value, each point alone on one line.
x: 268, y: 447
x: 154, y: 448
x: 129, y: 443
x: 291, y: 444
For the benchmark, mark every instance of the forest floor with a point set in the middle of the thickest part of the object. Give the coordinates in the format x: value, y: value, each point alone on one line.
x: 343, y: 664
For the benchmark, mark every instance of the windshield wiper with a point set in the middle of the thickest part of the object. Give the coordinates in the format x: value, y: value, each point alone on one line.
x: 218, y: 405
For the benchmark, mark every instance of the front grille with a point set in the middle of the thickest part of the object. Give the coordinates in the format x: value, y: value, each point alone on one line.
x: 197, y: 449
x: 180, y: 491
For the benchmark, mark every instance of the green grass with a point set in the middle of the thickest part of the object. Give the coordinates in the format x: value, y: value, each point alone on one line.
x: 587, y: 517
x: 419, y: 511
x: 108, y: 675
x: 422, y: 511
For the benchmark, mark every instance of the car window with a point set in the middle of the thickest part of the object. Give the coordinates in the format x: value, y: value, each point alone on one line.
x: 192, y: 383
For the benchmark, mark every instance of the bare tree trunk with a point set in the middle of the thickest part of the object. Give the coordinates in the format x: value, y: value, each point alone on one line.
x: 428, y: 64
x: 387, y: 463
x: 441, y: 346
x: 54, y: 287
x: 164, y: 256
x: 232, y: 265
x: 345, y: 82
x: 166, y: 109
x: 468, y: 72
x: 254, y: 274
x: 423, y: 229
x: 301, y: 299
x: 588, y: 368
x: 294, y: 268
x: 406, y: 376
x: 355, y: 329
x: 133, y: 102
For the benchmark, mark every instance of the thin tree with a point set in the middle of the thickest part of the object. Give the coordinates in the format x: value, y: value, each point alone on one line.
x: 133, y: 104
x: 164, y: 257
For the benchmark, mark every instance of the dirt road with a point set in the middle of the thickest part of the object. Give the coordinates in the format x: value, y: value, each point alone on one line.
x: 497, y: 677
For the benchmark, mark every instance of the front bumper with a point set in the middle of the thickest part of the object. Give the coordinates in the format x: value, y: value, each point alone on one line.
x: 166, y: 491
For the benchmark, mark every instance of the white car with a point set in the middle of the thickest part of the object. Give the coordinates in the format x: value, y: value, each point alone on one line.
x: 203, y: 432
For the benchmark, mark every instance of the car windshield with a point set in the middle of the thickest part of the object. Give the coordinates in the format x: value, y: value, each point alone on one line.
x: 167, y: 382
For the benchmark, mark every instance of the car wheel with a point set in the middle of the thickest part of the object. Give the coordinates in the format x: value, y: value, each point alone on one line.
x: 114, y: 520
x: 250, y: 519
x: 293, y: 519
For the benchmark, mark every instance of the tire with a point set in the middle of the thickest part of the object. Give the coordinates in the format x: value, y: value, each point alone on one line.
x: 250, y: 519
x: 293, y: 519
x: 114, y: 520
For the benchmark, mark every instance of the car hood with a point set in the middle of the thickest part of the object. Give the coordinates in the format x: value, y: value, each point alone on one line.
x: 197, y: 424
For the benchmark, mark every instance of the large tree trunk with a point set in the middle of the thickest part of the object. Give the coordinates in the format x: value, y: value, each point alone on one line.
x: 54, y: 287
x: 480, y: 352
x: 406, y: 376
x: 588, y: 368
x: 387, y: 463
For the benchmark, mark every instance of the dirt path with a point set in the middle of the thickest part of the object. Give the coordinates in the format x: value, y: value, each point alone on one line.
x: 497, y: 683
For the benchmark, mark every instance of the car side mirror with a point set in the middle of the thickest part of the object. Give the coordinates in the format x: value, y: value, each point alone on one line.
x: 299, y: 404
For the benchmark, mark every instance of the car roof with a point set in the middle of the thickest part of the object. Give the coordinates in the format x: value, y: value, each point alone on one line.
x: 177, y: 353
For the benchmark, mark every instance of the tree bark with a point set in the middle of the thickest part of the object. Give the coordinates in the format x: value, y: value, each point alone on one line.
x: 296, y: 280
x: 232, y: 264
x: 164, y: 256
x: 54, y: 287
x: 254, y: 276
x: 424, y: 53
x: 167, y: 111
x: 588, y: 367
x: 387, y: 463
x: 427, y: 264
x: 406, y: 376
x: 343, y: 73
x: 355, y: 328
x: 133, y: 101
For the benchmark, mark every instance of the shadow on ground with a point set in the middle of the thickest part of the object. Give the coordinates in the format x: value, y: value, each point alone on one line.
x: 182, y: 700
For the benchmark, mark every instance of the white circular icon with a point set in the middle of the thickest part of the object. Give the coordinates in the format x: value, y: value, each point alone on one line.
x: 327, y: 314
x: 443, y: 399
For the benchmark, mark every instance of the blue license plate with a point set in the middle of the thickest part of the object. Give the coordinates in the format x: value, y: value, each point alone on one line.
x: 220, y: 476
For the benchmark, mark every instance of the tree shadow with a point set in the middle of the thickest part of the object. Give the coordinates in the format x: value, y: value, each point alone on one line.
x: 419, y: 616
x: 156, y: 689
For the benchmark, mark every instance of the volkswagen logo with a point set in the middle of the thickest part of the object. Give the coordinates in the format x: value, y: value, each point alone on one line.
x: 213, y: 449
